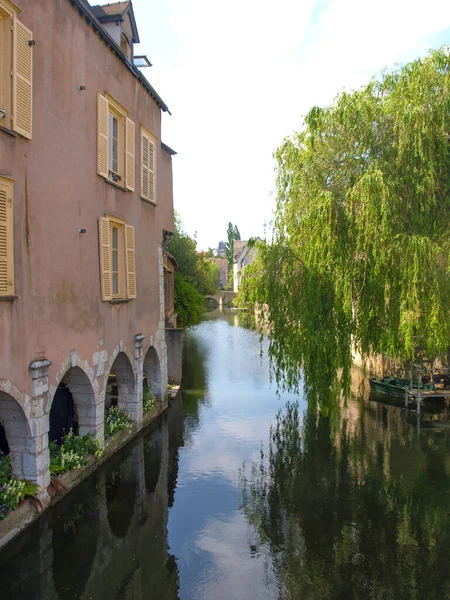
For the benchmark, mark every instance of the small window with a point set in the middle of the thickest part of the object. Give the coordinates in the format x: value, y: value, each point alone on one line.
x: 116, y: 143
x: 16, y: 72
x: 148, y: 165
x: 117, y: 259
x: 125, y: 46
x: 6, y: 238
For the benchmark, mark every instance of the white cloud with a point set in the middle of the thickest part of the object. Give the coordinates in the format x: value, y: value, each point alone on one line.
x: 239, y: 76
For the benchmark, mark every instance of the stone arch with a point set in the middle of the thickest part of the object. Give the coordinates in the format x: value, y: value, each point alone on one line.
x: 74, y: 388
x: 120, y: 389
x: 18, y: 437
x: 152, y: 373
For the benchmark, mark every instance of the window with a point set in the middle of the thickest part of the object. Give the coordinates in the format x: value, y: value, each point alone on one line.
x: 116, y: 143
x: 16, y: 72
x: 125, y: 46
x: 117, y: 259
x: 148, y: 165
x: 6, y: 238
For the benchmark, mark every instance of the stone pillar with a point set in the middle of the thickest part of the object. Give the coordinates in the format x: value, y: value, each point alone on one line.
x: 36, y: 462
x: 138, y: 412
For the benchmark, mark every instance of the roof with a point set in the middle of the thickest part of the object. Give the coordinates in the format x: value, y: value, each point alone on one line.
x: 116, y: 12
x: 238, y: 246
x: 167, y: 149
x: 86, y: 11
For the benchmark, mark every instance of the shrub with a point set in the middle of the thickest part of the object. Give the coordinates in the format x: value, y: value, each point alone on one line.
x: 149, y: 399
x: 116, y: 420
x: 72, y: 453
x: 12, y: 491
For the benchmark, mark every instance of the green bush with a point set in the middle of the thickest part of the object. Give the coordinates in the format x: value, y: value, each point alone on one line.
x: 149, y: 399
x: 72, y: 453
x: 12, y: 491
x: 189, y: 304
x: 116, y: 420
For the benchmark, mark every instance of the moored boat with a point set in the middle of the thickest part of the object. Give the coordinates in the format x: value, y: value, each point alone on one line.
x: 395, y: 386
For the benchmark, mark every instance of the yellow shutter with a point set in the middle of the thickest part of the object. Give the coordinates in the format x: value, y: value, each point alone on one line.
x: 105, y: 258
x: 151, y: 170
x: 130, y: 260
x: 22, y: 83
x: 102, y: 136
x: 144, y: 166
x: 129, y: 154
x: 6, y: 239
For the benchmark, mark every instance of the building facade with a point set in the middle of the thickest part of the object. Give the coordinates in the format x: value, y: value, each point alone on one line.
x: 85, y: 206
x: 243, y: 255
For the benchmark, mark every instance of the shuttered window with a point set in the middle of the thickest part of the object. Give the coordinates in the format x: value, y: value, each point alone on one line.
x: 117, y: 259
x: 6, y: 238
x: 148, y: 166
x: 22, y: 80
x: 16, y: 72
x: 115, y: 142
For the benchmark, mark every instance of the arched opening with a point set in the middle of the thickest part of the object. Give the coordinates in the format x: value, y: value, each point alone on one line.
x: 120, y: 386
x: 152, y: 374
x: 15, y: 437
x: 73, y: 406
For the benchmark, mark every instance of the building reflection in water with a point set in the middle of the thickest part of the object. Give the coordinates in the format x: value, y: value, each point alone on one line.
x: 108, y: 537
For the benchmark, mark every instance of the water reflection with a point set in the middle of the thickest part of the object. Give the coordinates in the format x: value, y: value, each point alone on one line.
x: 107, y: 539
x: 352, y: 505
x: 213, y: 504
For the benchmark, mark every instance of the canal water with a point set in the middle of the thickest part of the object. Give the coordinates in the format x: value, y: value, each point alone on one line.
x: 240, y: 493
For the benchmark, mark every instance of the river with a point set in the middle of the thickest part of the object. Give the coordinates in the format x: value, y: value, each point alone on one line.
x: 226, y: 498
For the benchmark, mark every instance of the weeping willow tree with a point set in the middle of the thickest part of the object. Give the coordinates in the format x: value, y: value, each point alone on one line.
x: 362, y: 230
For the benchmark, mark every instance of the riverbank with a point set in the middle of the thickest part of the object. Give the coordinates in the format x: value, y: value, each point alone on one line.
x: 31, y: 508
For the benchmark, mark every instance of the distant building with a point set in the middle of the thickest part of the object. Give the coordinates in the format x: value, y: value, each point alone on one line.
x: 223, y: 265
x: 221, y: 250
x: 243, y: 255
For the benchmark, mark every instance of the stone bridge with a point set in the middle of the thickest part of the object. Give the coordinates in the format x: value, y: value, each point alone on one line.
x: 222, y: 298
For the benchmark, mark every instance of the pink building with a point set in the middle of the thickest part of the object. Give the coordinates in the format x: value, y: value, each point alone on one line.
x: 85, y: 210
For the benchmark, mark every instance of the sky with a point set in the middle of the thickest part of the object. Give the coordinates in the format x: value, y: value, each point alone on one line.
x: 239, y: 76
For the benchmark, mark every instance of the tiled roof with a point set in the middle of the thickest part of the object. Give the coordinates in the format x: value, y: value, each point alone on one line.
x: 117, y: 8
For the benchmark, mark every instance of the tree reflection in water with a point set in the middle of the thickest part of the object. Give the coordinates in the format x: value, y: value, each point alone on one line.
x: 351, y: 505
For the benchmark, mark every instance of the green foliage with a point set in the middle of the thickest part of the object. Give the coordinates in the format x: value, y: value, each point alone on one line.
x: 189, y: 303
x: 12, y: 491
x: 149, y: 399
x: 232, y: 234
x: 194, y: 267
x: 72, y: 453
x: 195, y: 277
x: 362, y: 239
x: 345, y: 514
x: 116, y: 420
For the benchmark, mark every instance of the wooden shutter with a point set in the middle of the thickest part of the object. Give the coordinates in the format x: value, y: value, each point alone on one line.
x: 22, y: 80
x: 130, y: 261
x: 151, y: 170
x: 144, y: 166
x: 6, y: 239
x: 102, y: 136
x: 105, y: 258
x: 129, y: 154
